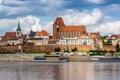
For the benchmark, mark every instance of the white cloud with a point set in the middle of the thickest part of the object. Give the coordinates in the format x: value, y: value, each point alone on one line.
x: 27, y: 23
x: 36, y: 26
x: 5, y: 23
x: 19, y: 7
x: 96, y: 1
x: 95, y: 21
x: 73, y: 17
x: 48, y: 27
x: 112, y: 8
x: 0, y: 1
x: 30, y: 23
x: 13, y: 2
x: 13, y: 10
x: 109, y: 27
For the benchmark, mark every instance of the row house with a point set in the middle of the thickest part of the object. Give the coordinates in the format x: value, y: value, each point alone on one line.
x: 115, y: 39
x: 83, y: 40
x: 38, y: 38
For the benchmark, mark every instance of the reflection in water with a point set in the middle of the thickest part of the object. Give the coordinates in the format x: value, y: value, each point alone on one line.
x: 59, y: 71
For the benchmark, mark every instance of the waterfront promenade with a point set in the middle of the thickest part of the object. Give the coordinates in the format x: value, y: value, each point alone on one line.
x: 30, y: 57
x: 18, y: 57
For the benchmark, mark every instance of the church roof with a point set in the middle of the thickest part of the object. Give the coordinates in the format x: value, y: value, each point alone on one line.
x: 18, y: 27
x: 59, y: 21
x: 10, y: 36
x: 72, y: 28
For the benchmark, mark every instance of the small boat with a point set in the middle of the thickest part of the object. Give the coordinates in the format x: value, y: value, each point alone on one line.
x: 51, y: 58
x: 109, y: 59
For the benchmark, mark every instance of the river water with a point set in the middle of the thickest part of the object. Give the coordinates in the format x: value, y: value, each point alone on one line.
x: 60, y: 71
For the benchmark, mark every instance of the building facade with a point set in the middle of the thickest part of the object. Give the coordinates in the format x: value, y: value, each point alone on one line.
x: 73, y: 35
x: 13, y: 38
x: 39, y: 38
x: 60, y: 30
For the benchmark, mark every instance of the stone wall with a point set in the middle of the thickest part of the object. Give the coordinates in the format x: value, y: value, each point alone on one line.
x: 46, y: 48
x: 49, y: 48
x: 7, y: 49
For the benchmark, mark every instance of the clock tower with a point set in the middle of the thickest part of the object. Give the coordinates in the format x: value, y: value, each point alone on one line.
x: 57, y: 24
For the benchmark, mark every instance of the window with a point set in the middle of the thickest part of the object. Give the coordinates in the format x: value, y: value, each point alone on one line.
x: 17, y: 33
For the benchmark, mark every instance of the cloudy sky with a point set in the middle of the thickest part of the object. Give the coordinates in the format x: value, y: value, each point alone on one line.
x: 97, y: 15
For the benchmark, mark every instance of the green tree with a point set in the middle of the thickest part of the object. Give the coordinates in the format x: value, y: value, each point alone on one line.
x: 117, y: 47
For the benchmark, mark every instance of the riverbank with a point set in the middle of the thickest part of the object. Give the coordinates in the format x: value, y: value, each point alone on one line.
x: 16, y: 57
x: 30, y: 57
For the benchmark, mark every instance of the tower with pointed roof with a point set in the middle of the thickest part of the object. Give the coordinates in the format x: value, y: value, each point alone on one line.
x: 58, y: 22
x: 18, y: 30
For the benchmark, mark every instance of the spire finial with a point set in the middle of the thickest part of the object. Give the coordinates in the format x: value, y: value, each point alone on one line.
x: 18, y: 27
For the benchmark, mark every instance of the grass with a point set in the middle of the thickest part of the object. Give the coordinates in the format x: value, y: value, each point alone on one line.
x: 36, y: 52
x: 117, y: 53
x: 7, y: 52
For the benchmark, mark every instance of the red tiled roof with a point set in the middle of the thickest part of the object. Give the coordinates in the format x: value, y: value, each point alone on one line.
x: 71, y: 28
x: 59, y: 21
x: 116, y: 35
x: 10, y: 34
x: 42, y: 33
x: 24, y: 35
x: 96, y: 34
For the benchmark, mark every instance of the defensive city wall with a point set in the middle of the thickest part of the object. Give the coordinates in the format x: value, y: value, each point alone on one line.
x: 43, y: 48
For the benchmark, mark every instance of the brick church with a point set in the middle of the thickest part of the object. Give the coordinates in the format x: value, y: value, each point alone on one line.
x: 60, y: 30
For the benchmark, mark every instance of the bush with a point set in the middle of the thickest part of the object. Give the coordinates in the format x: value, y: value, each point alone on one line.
x: 98, y: 52
x: 57, y: 49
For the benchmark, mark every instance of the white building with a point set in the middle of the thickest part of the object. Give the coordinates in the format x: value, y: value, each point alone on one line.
x: 78, y: 41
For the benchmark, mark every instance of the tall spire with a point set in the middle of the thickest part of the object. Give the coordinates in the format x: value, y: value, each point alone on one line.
x: 18, y: 27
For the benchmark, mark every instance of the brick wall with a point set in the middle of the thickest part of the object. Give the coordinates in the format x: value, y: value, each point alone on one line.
x: 9, y: 49
x: 108, y: 48
x: 46, y: 48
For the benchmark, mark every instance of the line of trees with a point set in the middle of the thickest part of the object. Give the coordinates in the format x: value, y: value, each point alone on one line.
x: 101, y: 52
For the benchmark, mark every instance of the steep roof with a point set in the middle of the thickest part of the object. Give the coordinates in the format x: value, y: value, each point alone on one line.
x: 59, y: 21
x: 18, y: 27
x: 72, y: 28
x: 10, y: 36
x: 42, y: 33
x: 116, y: 36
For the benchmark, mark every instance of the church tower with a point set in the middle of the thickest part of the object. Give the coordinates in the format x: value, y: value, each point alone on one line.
x: 57, y: 24
x: 18, y: 30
